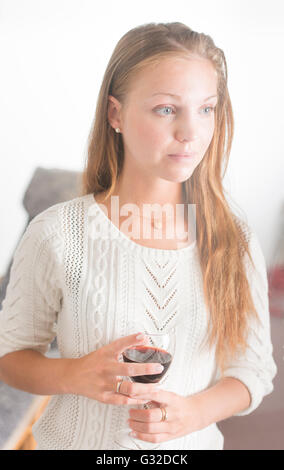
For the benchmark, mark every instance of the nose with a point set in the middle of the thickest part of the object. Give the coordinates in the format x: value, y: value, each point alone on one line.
x: 186, y: 130
x: 186, y: 139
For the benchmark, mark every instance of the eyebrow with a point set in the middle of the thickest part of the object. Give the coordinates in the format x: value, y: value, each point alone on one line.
x: 177, y: 96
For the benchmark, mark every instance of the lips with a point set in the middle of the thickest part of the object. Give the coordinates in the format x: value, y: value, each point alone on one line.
x: 182, y: 155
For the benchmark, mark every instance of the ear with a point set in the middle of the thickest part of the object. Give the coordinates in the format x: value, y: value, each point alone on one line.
x: 113, y: 112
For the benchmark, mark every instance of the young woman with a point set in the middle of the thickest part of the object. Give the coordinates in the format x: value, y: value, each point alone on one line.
x: 162, y: 134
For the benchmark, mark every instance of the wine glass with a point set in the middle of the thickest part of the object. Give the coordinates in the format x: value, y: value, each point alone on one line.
x: 160, y: 349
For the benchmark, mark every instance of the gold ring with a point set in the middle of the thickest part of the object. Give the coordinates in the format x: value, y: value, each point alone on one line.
x: 164, y: 413
x: 118, y: 385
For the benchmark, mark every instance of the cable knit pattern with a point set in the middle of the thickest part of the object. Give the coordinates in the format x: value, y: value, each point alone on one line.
x: 77, y: 276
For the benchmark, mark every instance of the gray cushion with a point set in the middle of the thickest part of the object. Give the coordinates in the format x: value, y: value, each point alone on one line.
x: 49, y: 187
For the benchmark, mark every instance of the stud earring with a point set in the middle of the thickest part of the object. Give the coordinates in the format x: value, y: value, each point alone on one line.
x: 117, y: 130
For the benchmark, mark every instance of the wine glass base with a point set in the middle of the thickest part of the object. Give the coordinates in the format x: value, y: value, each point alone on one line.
x: 124, y: 440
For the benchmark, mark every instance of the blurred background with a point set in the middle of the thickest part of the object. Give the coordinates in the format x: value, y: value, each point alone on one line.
x: 53, y: 57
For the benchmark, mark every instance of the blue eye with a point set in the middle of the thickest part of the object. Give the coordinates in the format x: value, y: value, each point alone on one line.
x: 165, y: 107
x: 211, y: 109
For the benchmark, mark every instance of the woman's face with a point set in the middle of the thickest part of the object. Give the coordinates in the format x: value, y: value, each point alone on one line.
x: 155, y: 124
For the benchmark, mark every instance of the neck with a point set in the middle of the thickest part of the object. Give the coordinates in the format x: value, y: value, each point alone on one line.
x: 153, y: 206
x: 159, y: 194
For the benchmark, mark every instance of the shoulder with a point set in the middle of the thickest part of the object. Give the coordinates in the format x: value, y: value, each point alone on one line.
x: 244, y: 227
x: 51, y: 226
x: 54, y: 217
x: 254, y: 245
x: 254, y: 260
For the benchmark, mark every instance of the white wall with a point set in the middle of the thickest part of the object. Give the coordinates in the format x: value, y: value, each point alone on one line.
x: 53, y: 56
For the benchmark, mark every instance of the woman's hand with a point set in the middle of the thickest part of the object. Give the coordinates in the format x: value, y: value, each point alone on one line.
x: 183, y: 417
x: 97, y: 374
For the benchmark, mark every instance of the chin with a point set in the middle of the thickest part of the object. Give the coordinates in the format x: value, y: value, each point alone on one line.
x: 178, y: 178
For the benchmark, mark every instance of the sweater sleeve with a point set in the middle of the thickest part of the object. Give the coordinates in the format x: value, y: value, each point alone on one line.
x: 33, y: 296
x: 256, y: 368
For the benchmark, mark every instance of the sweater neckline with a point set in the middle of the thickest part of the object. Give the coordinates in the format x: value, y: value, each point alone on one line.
x: 136, y: 247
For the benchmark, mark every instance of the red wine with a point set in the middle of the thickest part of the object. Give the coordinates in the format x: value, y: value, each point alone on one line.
x: 146, y: 354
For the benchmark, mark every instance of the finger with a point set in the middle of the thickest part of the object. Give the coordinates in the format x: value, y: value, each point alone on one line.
x: 160, y: 396
x: 149, y: 428
x: 119, y: 399
x: 135, y: 369
x: 134, y: 390
x: 119, y: 345
x: 155, y: 438
x: 131, y: 389
x: 152, y: 415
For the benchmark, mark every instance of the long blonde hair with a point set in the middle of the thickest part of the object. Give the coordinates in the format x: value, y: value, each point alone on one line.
x: 222, y: 240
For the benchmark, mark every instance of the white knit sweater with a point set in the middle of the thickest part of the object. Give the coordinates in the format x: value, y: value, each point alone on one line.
x: 88, y: 290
